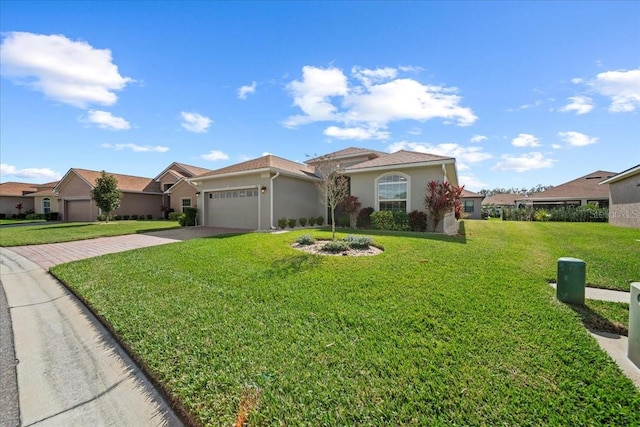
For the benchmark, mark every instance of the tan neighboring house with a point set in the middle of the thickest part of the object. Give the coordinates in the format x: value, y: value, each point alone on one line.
x: 579, y: 192
x: 624, y: 198
x: 12, y: 193
x: 179, y: 193
x: 506, y: 200
x: 471, y: 204
x: 44, y: 199
x: 142, y: 196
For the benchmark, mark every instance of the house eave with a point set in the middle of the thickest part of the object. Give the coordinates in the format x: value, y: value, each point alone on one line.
x: 622, y: 175
x: 201, y: 179
x: 399, y: 166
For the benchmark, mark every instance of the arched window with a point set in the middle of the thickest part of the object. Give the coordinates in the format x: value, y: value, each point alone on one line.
x: 393, y: 192
x: 46, y: 205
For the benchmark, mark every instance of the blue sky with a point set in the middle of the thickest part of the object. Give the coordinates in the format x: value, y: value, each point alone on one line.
x: 521, y: 93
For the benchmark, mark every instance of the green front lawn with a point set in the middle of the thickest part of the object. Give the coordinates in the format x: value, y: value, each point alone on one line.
x: 435, y: 331
x: 69, y: 231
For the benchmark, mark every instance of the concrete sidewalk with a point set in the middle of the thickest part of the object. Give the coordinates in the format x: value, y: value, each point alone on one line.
x: 70, y: 371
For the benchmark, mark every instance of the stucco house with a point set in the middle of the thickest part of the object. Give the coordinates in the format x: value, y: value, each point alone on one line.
x: 471, y: 204
x: 141, y: 196
x: 624, y: 198
x: 37, y: 198
x: 578, y: 192
x: 179, y: 193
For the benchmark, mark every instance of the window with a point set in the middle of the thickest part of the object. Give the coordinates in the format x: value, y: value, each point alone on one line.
x: 468, y: 206
x: 186, y: 203
x: 46, y: 205
x: 392, y: 193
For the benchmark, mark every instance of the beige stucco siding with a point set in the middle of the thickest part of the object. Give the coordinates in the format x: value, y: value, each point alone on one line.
x: 74, y: 188
x: 624, y: 202
x: 39, y: 207
x: 477, y: 208
x: 8, y: 204
x: 295, y: 198
x: 182, y: 190
x: 140, y: 204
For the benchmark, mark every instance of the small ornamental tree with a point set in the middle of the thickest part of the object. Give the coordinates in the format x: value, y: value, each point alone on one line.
x: 106, y: 194
x: 441, y: 198
x: 19, y: 207
x: 351, y: 206
x: 333, y: 187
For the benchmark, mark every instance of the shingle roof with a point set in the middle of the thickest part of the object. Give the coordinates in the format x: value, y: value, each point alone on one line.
x: 401, y: 157
x: 12, y: 188
x: 507, y: 199
x: 265, y: 162
x: 193, y: 170
x: 585, y: 187
x: 467, y: 193
x: 634, y: 170
x: 347, y: 152
x: 126, y: 183
x: 185, y: 171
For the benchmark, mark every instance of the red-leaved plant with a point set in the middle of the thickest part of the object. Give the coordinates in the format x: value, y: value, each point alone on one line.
x: 350, y: 205
x: 441, y: 198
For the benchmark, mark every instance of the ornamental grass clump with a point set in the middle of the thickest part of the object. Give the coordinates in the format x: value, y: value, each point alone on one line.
x: 335, y: 246
x: 358, y: 242
x: 305, y: 240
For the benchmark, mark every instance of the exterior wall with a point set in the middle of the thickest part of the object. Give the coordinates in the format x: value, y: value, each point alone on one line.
x: 139, y: 204
x: 37, y: 203
x: 75, y: 188
x: 180, y: 191
x: 477, y: 208
x: 296, y: 198
x: 8, y: 204
x: 363, y: 185
x: 624, y: 202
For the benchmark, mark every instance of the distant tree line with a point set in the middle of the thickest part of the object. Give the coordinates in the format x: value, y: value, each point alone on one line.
x: 525, y: 192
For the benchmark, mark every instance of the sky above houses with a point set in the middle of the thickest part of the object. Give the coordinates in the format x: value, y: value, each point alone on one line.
x: 520, y: 93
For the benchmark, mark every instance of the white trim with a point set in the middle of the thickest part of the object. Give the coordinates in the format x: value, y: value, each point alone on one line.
x: 348, y: 171
x: 622, y: 175
x: 404, y: 175
x: 201, y: 179
x: 271, y: 200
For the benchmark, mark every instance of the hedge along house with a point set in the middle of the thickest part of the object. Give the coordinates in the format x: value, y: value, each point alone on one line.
x: 179, y: 193
x: 624, y: 198
x: 398, y: 181
x: 141, y: 196
x: 254, y: 194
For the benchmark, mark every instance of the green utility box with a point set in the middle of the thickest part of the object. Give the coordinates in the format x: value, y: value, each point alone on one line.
x: 634, y: 324
x: 572, y: 274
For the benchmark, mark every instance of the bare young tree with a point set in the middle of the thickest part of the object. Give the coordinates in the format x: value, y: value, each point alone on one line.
x: 333, y: 186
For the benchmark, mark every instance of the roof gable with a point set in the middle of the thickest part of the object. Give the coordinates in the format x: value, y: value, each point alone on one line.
x: 347, y: 153
x: 580, y: 188
x: 180, y: 170
x: 126, y: 183
x: 402, y: 157
x: 270, y: 161
x: 12, y: 188
x: 505, y: 199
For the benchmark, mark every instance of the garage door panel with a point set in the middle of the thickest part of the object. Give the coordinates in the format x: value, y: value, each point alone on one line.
x: 233, y: 209
x: 78, y: 210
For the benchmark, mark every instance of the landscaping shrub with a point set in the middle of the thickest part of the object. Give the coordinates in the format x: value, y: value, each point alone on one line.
x: 335, y: 246
x: 101, y: 217
x: 282, y: 223
x: 302, y: 221
x: 320, y: 220
x: 542, y: 215
x: 400, y: 221
x: 182, y: 220
x: 119, y: 217
x: 174, y: 216
x: 312, y: 221
x: 305, y: 239
x: 417, y: 220
x: 364, y: 217
x: 52, y: 216
x: 350, y: 206
x: 358, y: 242
x: 382, y: 220
x: 126, y: 217
x: 343, y: 221
x: 35, y: 216
x: 191, y: 215
x: 149, y: 216
x: 134, y: 217
x: 587, y: 213
x: 292, y: 222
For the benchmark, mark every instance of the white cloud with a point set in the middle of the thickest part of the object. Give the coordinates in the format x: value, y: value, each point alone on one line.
x: 72, y: 72
x: 576, y: 80
x: 194, y: 122
x: 577, y: 139
x: 535, y: 104
x: 137, y: 148
x: 37, y: 175
x: 556, y: 146
x: 376, y: 98
x: 106, y: 120
x: 414, y: 131
x: 579, y: 104
x: 471, y: 183
x: 246, y: 90
x: 355, y: 133
x: 463, y: 155
x: 525, y: 140
x: 478, y: 138
x: 623, y: 87
x: 214, y: 155
x: 523, y: 162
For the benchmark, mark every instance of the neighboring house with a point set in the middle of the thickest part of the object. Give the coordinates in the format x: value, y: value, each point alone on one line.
x: 44, y: 199
x: 256, y: 193
x: 12, y: 193
x: 579, y: 192
x: 499, y: 202
x: 141, y: 196
x: 179, y: 193
x: 471, y: 204
x: 624, y: 198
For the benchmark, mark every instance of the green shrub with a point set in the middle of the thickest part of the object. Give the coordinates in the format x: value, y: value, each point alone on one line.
x: 52, y: 216
x: 182, y: 220
x: 282, y: 223
x: 149, y: 216
x: 292, y: 222
x: 417, y: 221
x: 101, y: 217
x: 302, y: 221
x: 343, y: 221
x: 305, y: 239
x: 335, y: 246
x: 35, y: 216
x: 364, y: 217
x: 400, y: 221
x: 174, y: 216
x: 191, y: 215
x: 117, y: 218
x: 126, y: 217
x: 358, y: 242
x: 134, y: 217
x: 382, y: 220
x: 320, y: 220
x: 542, y: 215
x: 3, y: 215
x: 312, y: 221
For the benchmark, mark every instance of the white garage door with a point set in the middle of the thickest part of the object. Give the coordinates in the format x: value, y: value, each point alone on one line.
x: 78, y: 210
x: 233, y: 209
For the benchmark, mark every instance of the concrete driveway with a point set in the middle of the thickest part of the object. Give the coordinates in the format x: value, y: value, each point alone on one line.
x: 58, y: 364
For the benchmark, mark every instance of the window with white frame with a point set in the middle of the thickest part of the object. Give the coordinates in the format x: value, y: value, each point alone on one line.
x: 46, y: 205
x: 468, y: 206
x: 186, y: 203
x: 393, y: 193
